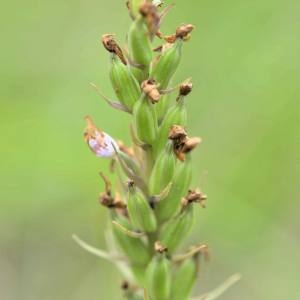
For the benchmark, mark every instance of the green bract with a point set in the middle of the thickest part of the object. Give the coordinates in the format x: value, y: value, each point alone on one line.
x: 134, y: 248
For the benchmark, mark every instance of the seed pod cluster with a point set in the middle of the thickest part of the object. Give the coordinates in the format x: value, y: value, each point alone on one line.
x: 152, y: 206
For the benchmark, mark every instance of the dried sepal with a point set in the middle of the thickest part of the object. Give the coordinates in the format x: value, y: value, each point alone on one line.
x: 182, y: 144
x: 159, y: 247
x: 194, y: 196
x: 107, y: 199
x: 185, y: 88
x: 112, y: 46
x: 151, y: 15
x: 128, y: 150
x: 150, y: 88
x: 182, y: 32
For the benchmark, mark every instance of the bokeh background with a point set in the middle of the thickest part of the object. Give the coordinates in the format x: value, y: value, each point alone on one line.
x: 244, y: 61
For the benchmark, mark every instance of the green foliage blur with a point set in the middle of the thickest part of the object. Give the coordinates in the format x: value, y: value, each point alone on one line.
x: 244, y: 61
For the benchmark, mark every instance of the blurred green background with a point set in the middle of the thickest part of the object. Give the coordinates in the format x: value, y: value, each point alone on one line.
x: 244, y: 61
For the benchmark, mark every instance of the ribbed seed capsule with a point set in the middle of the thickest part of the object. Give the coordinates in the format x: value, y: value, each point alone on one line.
x: 134, y: 248
x: 145, y: 121
x: 139, y: 44
x: 141, y: 214
x: 180, y: 185
x: 174, y: 232
x: 184, y: 279
x: 175, y: 115
x: 164, y: 69
x: 163, y: 170
x: 124, y: 83
x: 158, y: 278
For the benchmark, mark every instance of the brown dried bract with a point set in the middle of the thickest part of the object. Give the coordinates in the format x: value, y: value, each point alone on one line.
x: 182, y: 32
x: 190, y: 144
x: 194, y: 196
x: 185, y: 88
x: 128, y: 150
x: 130, y: 183
x: 177, y: 133
x: 92, y: 132
x: 112, y: 46
x: 158, y: 247
x: 150, y: 12
x: 150, y: 88
x: 106, y: 198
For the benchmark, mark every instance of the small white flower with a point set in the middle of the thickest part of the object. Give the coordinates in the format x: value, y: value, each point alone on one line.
x: 102, y: 144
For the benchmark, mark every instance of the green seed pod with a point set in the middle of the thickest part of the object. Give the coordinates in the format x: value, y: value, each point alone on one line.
x: 184, y: 279
x: 139, y: 44
x: 163, y: 170
x: 174, y: 232
x: 124, y: 83
x: 145, y: 121
x: 175, y: 115
x: 164, y: 69
x: 158, y: 278
x: 180, y: 185
x: 141, y: 214
x: 134, y: 248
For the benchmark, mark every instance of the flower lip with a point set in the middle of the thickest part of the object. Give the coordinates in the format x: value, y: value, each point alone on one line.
x: 102, y: 144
